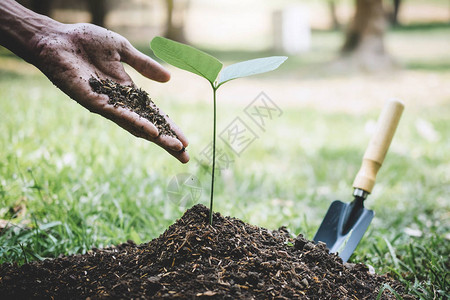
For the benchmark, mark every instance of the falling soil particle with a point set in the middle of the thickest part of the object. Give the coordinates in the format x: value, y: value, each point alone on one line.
x: 193, y: 260
x: 134, y: 99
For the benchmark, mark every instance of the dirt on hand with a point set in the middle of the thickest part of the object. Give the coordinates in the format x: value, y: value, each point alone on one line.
x: 193, y: 260
x: 134, y: 99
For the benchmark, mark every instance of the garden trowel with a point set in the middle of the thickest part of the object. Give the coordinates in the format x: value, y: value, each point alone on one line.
x: 345, y: 223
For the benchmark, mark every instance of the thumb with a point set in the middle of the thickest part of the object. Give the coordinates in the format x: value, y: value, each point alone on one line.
x: 144, y: 64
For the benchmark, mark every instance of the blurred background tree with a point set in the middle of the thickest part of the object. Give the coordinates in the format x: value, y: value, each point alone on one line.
x: 393, y: 13
x: 98, y: 10
x: 333, y: 15
x: 364, y: 40
x: 40, y: 6
x: 175, y: 19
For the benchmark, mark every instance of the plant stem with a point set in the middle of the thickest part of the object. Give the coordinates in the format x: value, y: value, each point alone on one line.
x: 214, y: 159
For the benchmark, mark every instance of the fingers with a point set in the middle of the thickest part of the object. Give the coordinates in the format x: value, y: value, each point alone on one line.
x: 173, y: 146
x: 143, y: 128
x: 126, y: 119
x: 140, y: 127
x: 180, y: 135
x: 144, y: 64
x: 146, y: 130
x: 169, y: 142
x: 182, y: 156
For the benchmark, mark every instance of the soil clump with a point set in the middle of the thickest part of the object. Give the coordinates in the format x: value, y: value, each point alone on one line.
x: 193, y: 260
x: 134, y: 99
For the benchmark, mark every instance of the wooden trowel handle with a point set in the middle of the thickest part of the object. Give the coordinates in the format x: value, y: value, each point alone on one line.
x: 378, y: 145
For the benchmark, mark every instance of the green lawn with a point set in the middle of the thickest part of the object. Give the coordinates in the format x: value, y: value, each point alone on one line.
x: 73, y: 180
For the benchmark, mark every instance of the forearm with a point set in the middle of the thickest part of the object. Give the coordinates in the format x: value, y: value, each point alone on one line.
x: 21, y: 29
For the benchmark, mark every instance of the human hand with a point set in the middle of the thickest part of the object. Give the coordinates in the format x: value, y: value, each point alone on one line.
x: 71, y: 54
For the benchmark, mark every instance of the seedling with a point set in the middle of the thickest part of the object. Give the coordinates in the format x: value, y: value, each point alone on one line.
x: 193, y: 60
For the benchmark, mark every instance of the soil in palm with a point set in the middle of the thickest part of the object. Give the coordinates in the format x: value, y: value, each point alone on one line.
x: 134, y: 99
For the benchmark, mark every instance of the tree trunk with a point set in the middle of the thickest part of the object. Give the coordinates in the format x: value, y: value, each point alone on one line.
x: 175, y: 20
x: 98, y: 10
x: 42, y: 7
x: 393, y: 12
x: 334, y: 19
x: 394, y: 17
x: 365, y: 36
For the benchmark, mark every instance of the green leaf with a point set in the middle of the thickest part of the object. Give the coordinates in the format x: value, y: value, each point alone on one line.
x: 187, y: 58
x: 250, y: 67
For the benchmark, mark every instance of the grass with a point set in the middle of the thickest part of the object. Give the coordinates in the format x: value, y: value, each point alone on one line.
x: 70, y: 180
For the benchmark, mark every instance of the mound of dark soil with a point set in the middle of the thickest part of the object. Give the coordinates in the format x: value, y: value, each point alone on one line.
x: 132, y: 98
x: 192, y: 259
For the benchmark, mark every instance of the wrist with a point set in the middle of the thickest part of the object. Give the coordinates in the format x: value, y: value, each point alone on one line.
x: 21, y: 29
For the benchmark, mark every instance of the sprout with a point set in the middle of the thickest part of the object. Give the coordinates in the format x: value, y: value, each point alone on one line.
x: 193, y: 60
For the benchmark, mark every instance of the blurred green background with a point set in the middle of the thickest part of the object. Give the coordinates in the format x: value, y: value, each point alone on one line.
x: 71, y: 180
